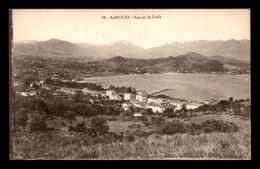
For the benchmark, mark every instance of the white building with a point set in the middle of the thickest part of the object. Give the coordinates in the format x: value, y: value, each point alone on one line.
x: 156, y: 108
x: 29, y: 93
x: 68, y: 90
x: 31, y: 85
x: 140, y: 104
x: 115, y: 97
x: 192, y: 106
x: 153, y: 100
x: 110, y: 93
x: 25, y: 93
x: 129, y: 96
x: 126, y: 105
x: 138, y: 115
x: 85, y: 90
x: 142, y: 92
x: 141, y: 97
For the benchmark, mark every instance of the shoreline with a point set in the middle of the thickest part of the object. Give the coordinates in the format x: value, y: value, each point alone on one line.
x: 123, y: 75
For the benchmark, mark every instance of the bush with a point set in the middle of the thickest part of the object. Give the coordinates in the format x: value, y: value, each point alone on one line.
x: 98, y: 126
x: 21, y: 117
x: 169, y: 112
x: 207, y: 126
x: 174, y: 127
x: 80, y: 127
x: 39, y: 126
x: 157, y: 120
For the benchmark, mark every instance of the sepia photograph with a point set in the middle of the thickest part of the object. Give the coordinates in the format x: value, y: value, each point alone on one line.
x: 130, y: 84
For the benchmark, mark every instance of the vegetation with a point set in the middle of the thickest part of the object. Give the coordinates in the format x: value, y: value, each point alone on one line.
x: 236, y: 107
x: 123, y: 89
x: 39, y: 125
x: 21, y: 118
x: 69, y: 84
x: 98, y: 126
x: 212, y: 145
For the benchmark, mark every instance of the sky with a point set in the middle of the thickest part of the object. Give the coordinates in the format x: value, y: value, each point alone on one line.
x: 169, y: 25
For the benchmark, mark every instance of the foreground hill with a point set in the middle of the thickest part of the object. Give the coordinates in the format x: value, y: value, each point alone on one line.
x: 233, y: 49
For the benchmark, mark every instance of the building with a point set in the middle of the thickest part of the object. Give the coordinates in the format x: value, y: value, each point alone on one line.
x: 153, y: 100
x: 141, y: 97
x: 129, y: 96
x: 192, y: 106
x: 138, y: 115
x: 68, y: 90
x: 140, y: 104
x: 110, y: 93
x: 29, y: 93
x: 16, y: 84
x: 85, y: 90
x: 115, y: 97
x: 31, y: 85
x: 126, y: 105
x: 25, y: 93
x: 142, y: 92
x: 74, y: 80
x: 156, y: 108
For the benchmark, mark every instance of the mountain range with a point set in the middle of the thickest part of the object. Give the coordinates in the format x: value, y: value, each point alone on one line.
x: 232, y: 49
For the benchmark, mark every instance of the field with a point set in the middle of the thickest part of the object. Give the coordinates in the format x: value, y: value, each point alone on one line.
x: 58, y: 145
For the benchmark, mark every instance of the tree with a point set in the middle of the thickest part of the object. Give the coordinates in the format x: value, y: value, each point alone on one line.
x: 169, y: 112
x: 132, y: 109
x: 231, y: 99
x: 149, y: 111
x: 112, y: 87
x: 98, y: 126
x: 79, y: 96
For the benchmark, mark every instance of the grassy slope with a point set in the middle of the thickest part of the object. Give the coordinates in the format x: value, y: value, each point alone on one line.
x: 212, y: 145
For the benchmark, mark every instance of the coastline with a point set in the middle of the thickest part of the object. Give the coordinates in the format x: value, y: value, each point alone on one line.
x: 123, y: 75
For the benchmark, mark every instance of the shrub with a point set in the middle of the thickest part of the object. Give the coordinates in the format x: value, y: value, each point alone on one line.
x: 149, y: 111
x: 169, y: 112
x: 98, y: 126
x: 21, y: 117
x: 39, y: 126
x: 218, y: 126
x: 207, y: 126
x: 80, y: 127
x: 157, y: 120
x: 174, y: 127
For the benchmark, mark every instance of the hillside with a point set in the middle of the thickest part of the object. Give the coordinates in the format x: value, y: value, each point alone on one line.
x: 233, y: 49
x: 189, y: 62
x: 55, y: 48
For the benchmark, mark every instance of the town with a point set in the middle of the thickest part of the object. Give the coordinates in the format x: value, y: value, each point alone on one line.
x: 140, y: 99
